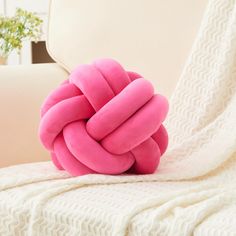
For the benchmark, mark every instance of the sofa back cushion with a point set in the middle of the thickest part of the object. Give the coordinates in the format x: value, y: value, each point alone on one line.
x: 151, y: 37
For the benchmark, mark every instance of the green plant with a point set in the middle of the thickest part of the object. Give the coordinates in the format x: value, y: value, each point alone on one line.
x: 23, y: 25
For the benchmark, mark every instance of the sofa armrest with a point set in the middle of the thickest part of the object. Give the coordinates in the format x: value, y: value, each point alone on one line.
x: 22, y: 91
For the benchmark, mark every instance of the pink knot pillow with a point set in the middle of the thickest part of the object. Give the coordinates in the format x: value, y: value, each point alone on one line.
x: 104, y: 120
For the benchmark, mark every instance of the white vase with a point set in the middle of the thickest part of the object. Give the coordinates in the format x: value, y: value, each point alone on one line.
x: 3, y: 60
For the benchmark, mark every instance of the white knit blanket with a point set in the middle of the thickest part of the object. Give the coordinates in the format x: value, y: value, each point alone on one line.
x: 193, y: 191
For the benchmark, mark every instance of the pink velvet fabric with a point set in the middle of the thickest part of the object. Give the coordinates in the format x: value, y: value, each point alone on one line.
x: 104, y: 120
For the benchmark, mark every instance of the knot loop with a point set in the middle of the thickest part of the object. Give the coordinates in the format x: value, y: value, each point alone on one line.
x: 104, y: 120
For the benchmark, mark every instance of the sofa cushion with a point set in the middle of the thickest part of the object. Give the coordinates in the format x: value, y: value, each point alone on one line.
x: 149, y: 38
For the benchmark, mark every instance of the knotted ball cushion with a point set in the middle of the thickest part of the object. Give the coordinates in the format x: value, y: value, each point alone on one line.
x: 104, y: 120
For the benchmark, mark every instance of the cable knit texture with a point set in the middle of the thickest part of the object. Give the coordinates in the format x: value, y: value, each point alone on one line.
x: 194, y: 190
x: 104, y: 120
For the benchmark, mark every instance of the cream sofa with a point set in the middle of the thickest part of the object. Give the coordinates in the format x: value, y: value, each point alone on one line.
x: 153, y: 39
x: 196, y: 194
